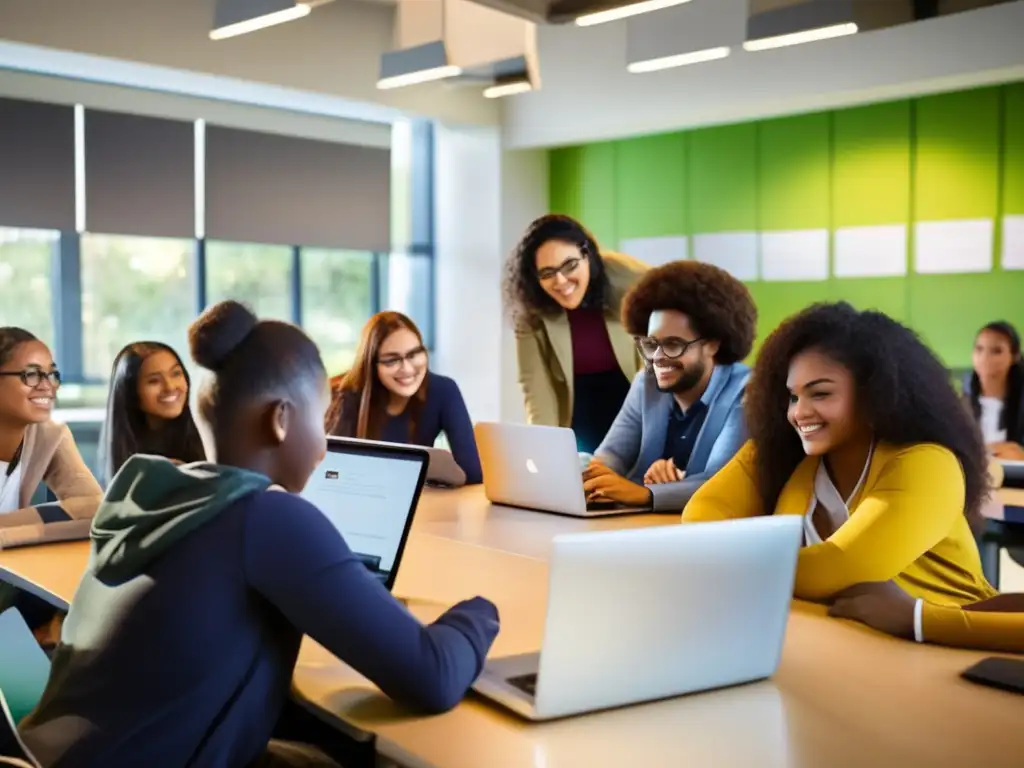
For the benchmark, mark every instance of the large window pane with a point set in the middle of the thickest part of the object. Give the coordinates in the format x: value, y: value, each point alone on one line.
x: 255, y: 274
x: 26, y: 258
x: 134, y: 289
x: 336, y: 302
x: 406, y: 287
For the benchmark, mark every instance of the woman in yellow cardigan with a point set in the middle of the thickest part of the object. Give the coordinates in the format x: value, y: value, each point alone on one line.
x: 873, y: 450
x: 576, y: 361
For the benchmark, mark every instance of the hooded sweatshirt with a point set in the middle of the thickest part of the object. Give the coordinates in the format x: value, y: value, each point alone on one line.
x: 180, y: 642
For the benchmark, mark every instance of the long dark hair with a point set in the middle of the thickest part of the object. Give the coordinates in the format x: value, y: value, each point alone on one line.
x: 1010, y: 418
x: 12, y: 337
x: 902, y: 390
x: 358, y: 398
x: 126, y: 430
x: 525, y: 299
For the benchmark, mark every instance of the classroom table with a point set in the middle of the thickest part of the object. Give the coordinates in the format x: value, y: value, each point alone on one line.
x: 843, y: 696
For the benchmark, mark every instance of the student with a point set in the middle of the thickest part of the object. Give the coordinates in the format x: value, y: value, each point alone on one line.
x: 575, y: 359
x: 182, y: 637
x: 683, y: 417
x: 34, y: 449
x: 996, y: 624
x: 994, y: 390
x: 390, y: 394
x: 874, y: 451
x: 148, y: 409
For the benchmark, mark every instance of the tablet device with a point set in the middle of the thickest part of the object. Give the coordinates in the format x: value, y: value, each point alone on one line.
x: 998, y: 672
x: 369, y: 491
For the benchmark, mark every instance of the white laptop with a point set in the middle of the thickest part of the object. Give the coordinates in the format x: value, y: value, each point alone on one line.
x: 650, y: 613
x: 539, y: 468
x: 370, y: 492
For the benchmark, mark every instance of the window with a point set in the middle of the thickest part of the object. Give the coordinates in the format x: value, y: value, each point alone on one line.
x: 406, y: 283
x: 257, y: 275
x: 134, y: 289
x: 26, y: 259
x: 337, y: 300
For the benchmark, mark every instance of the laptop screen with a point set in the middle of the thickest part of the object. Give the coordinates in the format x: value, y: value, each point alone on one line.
x: 370, y: 493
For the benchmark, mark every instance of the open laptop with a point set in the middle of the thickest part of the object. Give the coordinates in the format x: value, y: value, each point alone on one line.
x: 370, y: 492
x: 1013, y: 473
x: 539, y: 468
x: 650, y: 613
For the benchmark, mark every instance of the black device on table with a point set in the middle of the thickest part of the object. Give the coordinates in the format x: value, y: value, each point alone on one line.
x: 998, y: 672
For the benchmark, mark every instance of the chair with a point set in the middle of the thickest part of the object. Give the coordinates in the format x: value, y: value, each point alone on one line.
x: 23, y: 677
x: 998, y: 535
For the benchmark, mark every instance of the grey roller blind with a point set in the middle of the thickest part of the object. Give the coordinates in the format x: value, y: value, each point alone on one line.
x: 37, y: 165
x: 139, y: 175
x: 266, y: 188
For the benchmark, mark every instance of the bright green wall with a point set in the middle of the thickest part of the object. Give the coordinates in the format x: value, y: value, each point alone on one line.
x: 951, y: 156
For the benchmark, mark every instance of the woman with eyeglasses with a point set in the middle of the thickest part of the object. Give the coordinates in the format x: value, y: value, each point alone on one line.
x: 576, y: 361
x: 34, y: 449
x: 390, y: 394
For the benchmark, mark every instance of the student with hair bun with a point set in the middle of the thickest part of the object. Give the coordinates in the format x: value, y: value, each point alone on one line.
x: 181, y: 641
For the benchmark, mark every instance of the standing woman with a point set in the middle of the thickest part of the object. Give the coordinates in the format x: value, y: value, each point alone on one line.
x: 576, y: 361
x: 148, y: 408
x: 34, y: 449
x: 995, y: 389
x: 390, y: 394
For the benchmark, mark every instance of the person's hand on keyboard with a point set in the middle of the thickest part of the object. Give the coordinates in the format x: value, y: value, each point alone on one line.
x: 600, y: 483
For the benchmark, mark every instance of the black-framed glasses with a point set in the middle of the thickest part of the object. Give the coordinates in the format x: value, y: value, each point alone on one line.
x: 564, y: 269
x: 671, y: 346
x: 33, y: 377
x: 412, y: 356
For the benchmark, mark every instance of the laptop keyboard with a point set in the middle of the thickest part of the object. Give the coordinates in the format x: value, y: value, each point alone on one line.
x: 525, y: 683
x: 598, y: 504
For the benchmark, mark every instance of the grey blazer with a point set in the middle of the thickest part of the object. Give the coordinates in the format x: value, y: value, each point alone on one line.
x: 636, y: 438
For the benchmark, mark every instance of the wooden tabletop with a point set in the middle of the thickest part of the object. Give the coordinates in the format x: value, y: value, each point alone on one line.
x: 843, y: 695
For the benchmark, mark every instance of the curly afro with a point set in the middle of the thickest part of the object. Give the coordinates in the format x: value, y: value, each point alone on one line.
x: 902, y: 389
x: 717, y: 304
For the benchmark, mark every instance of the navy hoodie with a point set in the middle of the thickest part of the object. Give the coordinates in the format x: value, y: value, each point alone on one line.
x: 180, y: 642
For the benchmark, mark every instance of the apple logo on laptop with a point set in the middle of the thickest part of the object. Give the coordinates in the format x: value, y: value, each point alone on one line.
x: 531, y: 467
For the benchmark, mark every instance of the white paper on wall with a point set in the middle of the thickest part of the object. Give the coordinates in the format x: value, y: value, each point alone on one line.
x: 735, y: 252
x: 879, y: 251
x: 1013, y: 242
x: 799, y: 254
x: 656, y: 251
x: 960, y: 245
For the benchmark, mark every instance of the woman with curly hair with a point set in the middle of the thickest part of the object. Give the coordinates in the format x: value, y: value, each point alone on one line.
x: 575, y: 359
x: 873, y: 450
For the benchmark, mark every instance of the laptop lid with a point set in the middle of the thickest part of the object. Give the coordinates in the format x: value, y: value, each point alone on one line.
x: 531, y: 466
x: 370, y: 492
x: 648, y: 613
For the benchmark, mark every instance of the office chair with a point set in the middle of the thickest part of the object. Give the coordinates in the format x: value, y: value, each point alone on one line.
x: 23, y: 676
x: 13, y: 751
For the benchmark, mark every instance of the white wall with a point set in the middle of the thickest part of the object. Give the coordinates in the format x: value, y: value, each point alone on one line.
x: 334, y: 51
x: 588, y: 95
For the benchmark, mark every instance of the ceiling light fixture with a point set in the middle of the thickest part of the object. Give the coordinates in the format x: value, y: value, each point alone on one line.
x: 625, y: 11
x: 805, y: 36
x: 507, y: 89
x: 421, y: 76
x: 677, y: 60
x: 239, y: 17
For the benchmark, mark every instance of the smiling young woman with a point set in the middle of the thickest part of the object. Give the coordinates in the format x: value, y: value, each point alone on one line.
x: 873, y: 450
x: 391, y: 394
x: 148, y: 408
x: 34, y: 449
x: 576, y: 361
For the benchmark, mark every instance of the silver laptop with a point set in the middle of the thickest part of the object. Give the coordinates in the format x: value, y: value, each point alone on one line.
x: 539, y: 468
x: 369, y: 491
x: 650, y: 613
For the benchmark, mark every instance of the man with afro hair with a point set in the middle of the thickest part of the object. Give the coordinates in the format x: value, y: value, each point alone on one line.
x: 683, y: 417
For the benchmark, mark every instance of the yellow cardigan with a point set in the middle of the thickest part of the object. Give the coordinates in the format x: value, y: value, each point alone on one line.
x: 983, y: 630
x: 906, y: 524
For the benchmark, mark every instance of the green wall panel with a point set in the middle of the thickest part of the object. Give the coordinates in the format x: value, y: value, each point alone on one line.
x: 777, y: 301
x: 564, y: 180
x: 722, y: 191
x: 1013, y: 152
x: 793, y: 172
x: 885, y: 294
x: 956, y: 172
x: 651, y: 176
x: 871, y: 165
x: 581, y: 183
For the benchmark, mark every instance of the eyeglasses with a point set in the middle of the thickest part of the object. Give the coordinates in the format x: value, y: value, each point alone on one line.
x: 394, y: 361
x: 672, y: 346
x: 33, y: 377
x: 564, y: 269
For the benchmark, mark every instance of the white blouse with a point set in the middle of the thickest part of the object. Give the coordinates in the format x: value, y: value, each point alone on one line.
x: 826, y: 495
x: 991, y: 413
x: 10, y: 486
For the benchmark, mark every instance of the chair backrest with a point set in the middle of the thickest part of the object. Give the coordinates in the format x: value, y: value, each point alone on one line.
x: 25, y: 667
